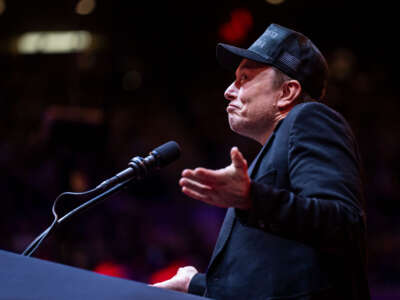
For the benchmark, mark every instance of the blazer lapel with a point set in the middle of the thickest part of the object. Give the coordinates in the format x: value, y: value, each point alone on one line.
x: 224, y: 233
x: 230, y: 216
x: 256, y: 162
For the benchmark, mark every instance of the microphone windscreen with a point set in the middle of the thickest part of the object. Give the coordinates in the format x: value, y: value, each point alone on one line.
x: 167, y: 153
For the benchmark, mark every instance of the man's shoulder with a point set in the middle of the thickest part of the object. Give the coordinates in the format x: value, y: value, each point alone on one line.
x: 317, y: 123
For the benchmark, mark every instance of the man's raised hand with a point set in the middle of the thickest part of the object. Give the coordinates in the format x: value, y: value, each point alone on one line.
x: 227, y: 187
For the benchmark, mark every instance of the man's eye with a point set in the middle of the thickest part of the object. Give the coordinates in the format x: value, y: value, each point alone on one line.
x: 242, y: 79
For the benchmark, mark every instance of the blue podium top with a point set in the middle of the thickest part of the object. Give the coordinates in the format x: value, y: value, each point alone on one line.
x: 27, y: 278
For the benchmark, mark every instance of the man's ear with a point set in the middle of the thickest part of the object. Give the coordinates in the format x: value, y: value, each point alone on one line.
x: 290, y: 91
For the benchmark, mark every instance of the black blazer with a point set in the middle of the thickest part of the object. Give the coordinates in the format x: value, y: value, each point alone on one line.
x: 304, y: 237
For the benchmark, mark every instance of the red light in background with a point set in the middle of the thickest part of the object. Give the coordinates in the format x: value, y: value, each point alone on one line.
x: 238, y: 26
x: 110, y: 269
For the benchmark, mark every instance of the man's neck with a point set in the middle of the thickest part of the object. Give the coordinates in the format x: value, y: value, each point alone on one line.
x: 263, y: 138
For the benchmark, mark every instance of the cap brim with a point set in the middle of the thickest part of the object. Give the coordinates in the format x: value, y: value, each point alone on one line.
x: 230, y: 57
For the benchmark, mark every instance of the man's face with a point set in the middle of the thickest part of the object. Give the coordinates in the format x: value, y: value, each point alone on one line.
x: 252, y: 109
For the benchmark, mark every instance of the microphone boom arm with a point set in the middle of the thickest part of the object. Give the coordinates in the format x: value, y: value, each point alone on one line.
x: 138, y: 169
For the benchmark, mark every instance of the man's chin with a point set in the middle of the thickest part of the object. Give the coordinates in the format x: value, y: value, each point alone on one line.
x: 241, y: 128
x: 235, y: 126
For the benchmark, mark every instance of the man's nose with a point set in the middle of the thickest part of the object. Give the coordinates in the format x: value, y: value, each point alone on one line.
x: 231, y: 92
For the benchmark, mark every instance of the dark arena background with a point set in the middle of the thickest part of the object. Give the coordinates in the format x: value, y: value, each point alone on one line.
x: 87, y: 85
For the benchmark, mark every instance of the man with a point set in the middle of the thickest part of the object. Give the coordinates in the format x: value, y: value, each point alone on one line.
x: 295, y: 225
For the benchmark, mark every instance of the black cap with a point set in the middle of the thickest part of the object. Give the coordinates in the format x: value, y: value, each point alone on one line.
x: 289, y: 51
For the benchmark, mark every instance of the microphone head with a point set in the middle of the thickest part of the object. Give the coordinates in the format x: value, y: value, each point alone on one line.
x: 166, y: 153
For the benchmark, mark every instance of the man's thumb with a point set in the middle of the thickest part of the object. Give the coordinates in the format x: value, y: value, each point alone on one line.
x: 237, y: 159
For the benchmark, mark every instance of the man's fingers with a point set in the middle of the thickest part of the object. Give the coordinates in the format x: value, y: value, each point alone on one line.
x: 181, y: 280
x: 196, y: 195
x: 164, y: 284
x: 170, y: 284
x: 202, y: 175
x: 237, y: 159
x: 194, y: 185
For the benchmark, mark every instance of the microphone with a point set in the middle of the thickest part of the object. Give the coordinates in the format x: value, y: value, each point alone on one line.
x: 141, y: 167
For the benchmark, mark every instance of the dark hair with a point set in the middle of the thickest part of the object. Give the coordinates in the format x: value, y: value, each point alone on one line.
x: 281, y: 77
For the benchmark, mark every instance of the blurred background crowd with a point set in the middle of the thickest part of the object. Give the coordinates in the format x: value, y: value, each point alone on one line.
x: 86, y: 85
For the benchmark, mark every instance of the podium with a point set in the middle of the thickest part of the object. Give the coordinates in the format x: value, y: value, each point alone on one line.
x: 27, y: 278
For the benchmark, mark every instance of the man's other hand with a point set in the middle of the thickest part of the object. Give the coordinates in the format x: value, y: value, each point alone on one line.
x: 180, y: 282
x: 227, y: 187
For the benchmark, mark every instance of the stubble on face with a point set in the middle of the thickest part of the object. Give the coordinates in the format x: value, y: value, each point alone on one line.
x: 252, y: 110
